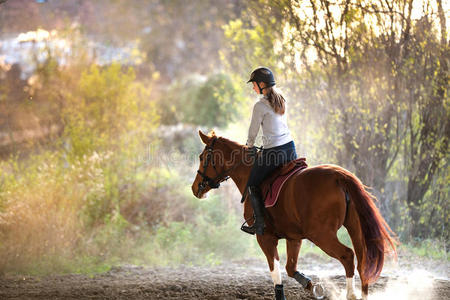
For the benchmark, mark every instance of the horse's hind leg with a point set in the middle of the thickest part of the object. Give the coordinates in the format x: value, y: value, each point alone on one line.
x: 292, y: 249
x: 330, y: 244
x: 268, y: 244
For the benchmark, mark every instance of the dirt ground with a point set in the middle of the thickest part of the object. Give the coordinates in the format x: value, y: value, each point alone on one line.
x: 247, y: 279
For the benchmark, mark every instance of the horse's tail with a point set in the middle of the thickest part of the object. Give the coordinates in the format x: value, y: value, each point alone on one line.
x: 373, y: 229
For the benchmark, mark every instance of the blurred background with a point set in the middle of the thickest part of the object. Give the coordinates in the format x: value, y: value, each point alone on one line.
x: 101, y: 103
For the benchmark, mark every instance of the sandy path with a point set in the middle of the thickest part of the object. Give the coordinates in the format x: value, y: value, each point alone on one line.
x: 236, y: 280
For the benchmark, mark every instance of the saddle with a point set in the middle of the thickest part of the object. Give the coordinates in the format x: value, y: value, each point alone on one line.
x: 272, y: 185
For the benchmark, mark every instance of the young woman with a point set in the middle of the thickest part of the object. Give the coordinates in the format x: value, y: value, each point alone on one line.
x: 278, y: 147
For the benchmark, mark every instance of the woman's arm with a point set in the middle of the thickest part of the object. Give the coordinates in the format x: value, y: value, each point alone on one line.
x: 257, y: 117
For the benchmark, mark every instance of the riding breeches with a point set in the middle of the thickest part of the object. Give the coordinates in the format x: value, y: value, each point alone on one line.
x: 269, y: 160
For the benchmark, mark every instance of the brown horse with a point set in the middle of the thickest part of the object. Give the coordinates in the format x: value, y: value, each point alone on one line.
x: 313, y: 204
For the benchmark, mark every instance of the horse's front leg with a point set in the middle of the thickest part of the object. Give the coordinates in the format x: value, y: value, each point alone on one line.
x: 268, y: 244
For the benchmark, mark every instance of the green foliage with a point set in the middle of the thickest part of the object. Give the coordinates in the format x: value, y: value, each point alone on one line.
x: 211, y: 238
x: 69, y: 202
x: 60, y: 219
x: 108, y: 108
x: 428, y: 248
x: 253, y: 43
x: 213, y: 102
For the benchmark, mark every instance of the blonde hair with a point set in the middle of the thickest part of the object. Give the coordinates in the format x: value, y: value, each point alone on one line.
x: 276, y: 100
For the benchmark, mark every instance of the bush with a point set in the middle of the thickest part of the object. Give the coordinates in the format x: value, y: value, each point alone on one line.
x: 60, y: 217
x: 212, y: 102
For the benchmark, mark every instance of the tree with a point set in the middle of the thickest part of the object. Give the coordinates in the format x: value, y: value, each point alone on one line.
x: 427, y: 118
x: 355, y: 63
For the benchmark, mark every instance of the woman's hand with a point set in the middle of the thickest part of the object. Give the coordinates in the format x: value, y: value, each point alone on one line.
x: 253, y: 150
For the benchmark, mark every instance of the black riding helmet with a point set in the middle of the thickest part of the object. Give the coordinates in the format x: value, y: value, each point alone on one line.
x: 262, y: 74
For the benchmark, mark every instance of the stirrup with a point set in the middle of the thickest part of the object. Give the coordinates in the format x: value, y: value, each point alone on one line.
x: 248, y: 229
x: 252, y: 229
x: 245, y: 228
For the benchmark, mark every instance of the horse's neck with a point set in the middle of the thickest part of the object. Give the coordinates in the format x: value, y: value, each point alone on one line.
x: 240, y: 176
x: 242, y: 170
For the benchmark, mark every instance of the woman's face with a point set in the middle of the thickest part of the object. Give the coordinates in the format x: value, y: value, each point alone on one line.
x: 256, y: 88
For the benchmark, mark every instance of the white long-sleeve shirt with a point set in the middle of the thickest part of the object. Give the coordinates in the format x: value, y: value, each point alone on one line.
x: 274, y: 126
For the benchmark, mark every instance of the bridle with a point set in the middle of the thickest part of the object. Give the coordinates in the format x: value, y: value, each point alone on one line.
x: 207, y: 181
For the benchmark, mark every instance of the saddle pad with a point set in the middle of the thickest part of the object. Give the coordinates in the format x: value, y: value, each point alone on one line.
x: 272, y: 186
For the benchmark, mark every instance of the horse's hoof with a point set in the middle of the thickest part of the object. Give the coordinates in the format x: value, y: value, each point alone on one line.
x: 352, y: 297
x: 318, y: 291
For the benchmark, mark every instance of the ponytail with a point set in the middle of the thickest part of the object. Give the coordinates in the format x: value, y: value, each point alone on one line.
x: 276, y: 100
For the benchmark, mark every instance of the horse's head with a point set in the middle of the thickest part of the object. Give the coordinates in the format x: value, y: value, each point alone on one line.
x: 211, y: 170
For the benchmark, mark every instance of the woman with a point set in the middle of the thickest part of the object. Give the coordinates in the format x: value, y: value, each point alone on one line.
x: 278, y: 147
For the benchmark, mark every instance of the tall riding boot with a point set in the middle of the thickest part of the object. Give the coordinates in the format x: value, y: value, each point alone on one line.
x: 258, y: 209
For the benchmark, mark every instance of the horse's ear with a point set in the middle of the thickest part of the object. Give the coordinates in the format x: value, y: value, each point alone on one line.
x: 204, y: 137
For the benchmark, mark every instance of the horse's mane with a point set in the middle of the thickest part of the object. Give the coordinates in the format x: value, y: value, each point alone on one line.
x: 232, y: 144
